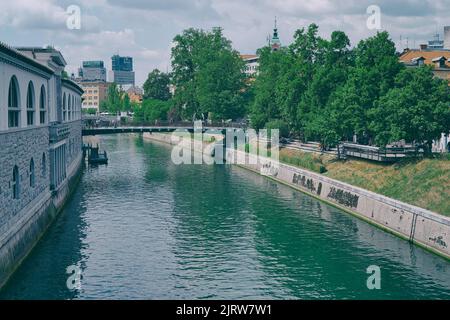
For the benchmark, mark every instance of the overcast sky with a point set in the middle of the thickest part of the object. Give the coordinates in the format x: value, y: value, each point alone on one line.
x: 144, y: 29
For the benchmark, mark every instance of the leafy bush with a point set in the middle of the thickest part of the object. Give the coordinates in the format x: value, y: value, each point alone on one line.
x: 280, y: 125
x: 152, y: 110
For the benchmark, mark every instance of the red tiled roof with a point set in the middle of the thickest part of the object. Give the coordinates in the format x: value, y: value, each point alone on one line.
x: 428, y: 55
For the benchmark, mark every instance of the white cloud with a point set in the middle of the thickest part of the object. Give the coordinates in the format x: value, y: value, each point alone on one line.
x: 145, y: 29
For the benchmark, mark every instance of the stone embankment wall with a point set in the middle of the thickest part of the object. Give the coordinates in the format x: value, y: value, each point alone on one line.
x: 422, y: 227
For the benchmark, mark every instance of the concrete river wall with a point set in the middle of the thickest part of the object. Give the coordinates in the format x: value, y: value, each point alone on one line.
x: 422, y: 227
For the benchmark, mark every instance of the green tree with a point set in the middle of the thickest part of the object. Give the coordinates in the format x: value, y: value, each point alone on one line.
x: 113, y: 102
x: 126, y: 104
x: 208, y: 76
x: 184, y: 66
x: 157, y: 86
x: 296, y: 84
x: 273, y: 65
x: 152, y: 109
x: 416, y: 109
x: 373, y: 74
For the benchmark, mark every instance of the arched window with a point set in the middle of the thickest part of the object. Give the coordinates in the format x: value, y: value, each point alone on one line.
x: 42, y: 106
x: 73, y: 107
x: 16, y: 183
x: 30, y: 104
x: 13, y: 103
x: 64, y: 107
x: 69, y: 109
x: 32, y: 173
x: 44, y: 165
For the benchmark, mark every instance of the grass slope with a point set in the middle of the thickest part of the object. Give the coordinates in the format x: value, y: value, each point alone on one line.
x: 424, y: 183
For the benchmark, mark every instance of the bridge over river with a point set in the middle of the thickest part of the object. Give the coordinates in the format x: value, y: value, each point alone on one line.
x: 93, y: 131
x: 99, y: 125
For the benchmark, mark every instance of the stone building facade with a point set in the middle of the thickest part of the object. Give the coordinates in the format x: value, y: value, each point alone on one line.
x: 40, y: 147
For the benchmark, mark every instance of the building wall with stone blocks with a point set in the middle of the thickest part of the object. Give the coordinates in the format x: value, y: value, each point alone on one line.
x: 20, y: 149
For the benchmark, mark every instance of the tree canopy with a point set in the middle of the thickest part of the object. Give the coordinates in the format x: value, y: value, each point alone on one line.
x: 315, y: 88
x: 325, y: 91
x: 157, y: 86
x: 208, y: 76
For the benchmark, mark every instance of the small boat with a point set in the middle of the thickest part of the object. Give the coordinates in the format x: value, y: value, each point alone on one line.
x: 96, y: 158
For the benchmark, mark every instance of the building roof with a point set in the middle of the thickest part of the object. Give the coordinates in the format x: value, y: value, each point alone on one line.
x: 249, y: 56
x: 73, y: 85
x: 441, y: 58
x: 22, y: 57
x: 135, y: 90
x: 55, y: 55
x: 428, y: 55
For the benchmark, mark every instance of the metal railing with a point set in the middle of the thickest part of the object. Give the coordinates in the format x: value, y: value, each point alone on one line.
x: 389, y: 154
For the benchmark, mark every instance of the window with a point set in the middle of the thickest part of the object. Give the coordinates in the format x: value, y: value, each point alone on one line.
x: 13, y: 103
x: 69, y: 112
x: 64, y: 107
x: 30, y: 104
x: 16, y: 183
x: 42, y: 107
x: 73, y: 107
x: 32, y: 175
x: 44, y: 165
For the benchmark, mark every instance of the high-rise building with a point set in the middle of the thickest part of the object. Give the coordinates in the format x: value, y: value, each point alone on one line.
x: 447, y: 37
x: 92, y: 71
x: 436, y: 43
x: 122, y: 63
x: 122, y: 70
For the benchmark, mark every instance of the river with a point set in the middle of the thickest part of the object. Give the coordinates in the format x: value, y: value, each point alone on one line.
x: 144, y: 228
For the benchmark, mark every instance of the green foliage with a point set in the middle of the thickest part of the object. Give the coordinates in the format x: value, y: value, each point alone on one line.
x: 208, y: 76
x: 116, y: 100
x: 307, y: 161
x: 89, y: 111
x: 278, y: 125
x: 417, y: 108
x: 126, y: 104
x: 152, y: 109
x: 327, y: 92
x: 157, y: 86
x: 296, y: 83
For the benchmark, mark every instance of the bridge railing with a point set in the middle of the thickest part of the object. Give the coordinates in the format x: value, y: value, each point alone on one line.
x: 161, y: 123
x: 389, y: 154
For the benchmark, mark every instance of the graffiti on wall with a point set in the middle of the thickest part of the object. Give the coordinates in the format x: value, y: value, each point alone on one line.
x: 343, y: 197
x: 307, y: 183
x: 439, y: 241
x: 269, y: 169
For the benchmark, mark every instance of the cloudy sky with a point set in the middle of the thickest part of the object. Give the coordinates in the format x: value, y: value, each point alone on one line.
x: 144, y: 29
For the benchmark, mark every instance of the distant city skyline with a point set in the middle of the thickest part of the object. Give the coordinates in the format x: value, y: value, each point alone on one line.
x: 144, y: 30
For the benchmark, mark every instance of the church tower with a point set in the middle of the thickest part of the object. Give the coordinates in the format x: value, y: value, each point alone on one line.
x: 275, y: 42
